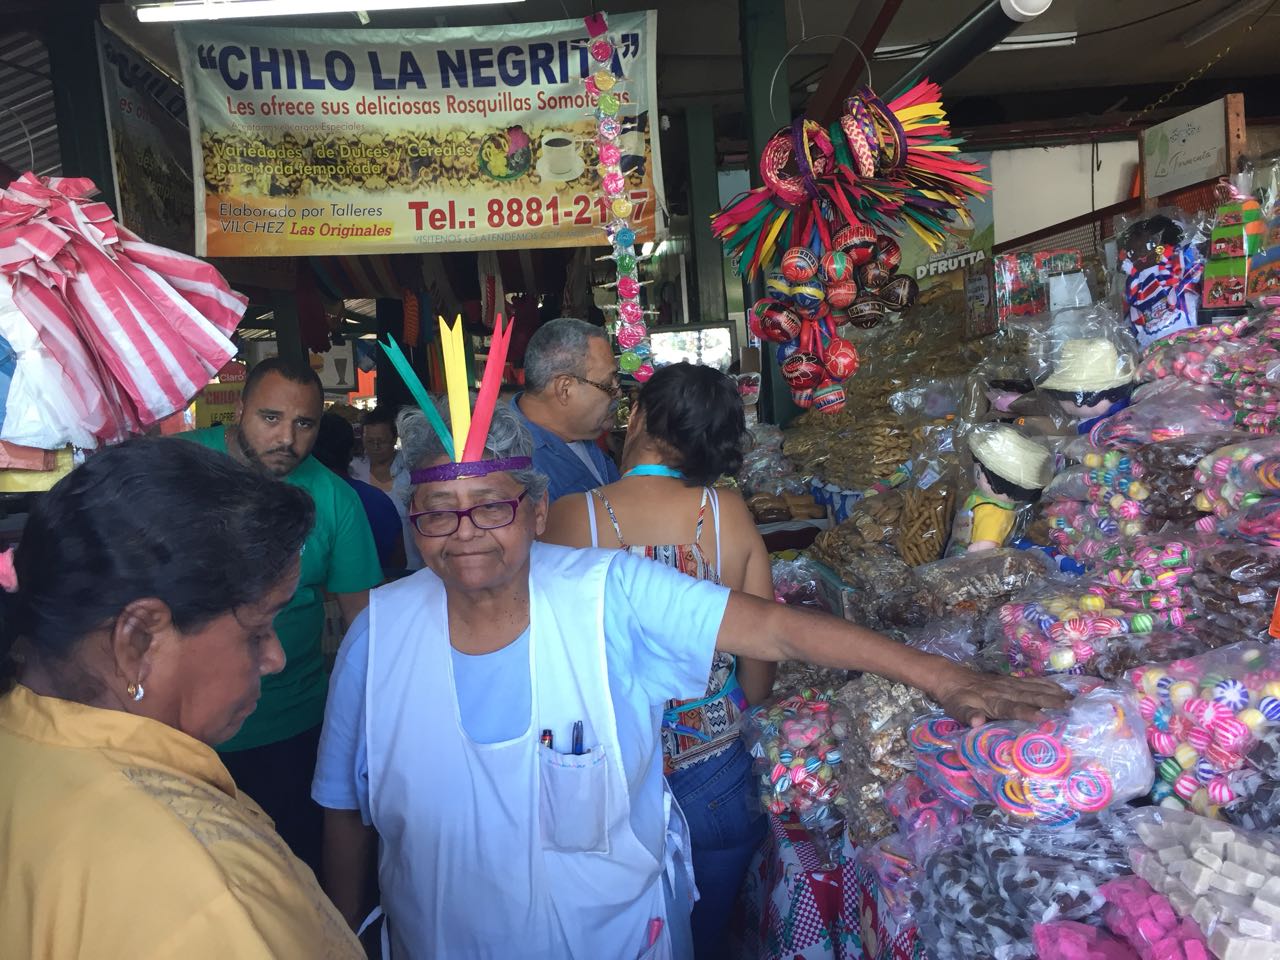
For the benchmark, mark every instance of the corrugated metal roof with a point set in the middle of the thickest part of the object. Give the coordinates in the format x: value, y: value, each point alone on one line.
x: 28, y: 124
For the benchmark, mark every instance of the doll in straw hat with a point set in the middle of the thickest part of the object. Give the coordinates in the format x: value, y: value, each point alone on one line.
x: 1091, y: 380
x: 1009, y: 469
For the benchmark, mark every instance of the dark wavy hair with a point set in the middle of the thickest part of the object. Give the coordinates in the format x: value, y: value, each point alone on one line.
x: 161, y: 518
x: 697, y: 412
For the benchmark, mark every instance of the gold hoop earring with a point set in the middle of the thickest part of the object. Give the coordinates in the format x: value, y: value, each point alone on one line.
x: 135, y: 690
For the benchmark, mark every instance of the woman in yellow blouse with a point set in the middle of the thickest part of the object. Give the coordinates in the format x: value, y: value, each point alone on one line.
x: 147, y: 583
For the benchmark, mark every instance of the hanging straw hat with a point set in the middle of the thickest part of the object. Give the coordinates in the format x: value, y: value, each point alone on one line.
x: 1090, y: 364
x: 1012, y: 456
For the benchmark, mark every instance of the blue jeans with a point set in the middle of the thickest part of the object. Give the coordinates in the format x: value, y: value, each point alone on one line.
x: 718, y: 797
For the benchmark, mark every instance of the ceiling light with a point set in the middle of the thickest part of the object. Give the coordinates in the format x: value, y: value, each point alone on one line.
x: 1030, y: 41
x: 223, y: 9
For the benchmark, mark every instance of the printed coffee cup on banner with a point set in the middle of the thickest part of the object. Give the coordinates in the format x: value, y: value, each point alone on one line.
x: 560, y: 151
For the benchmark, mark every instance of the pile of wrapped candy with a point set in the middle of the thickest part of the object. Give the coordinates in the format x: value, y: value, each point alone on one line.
x: 1235, y: 587
x: 1095, y: 626
x: 1079, y: 761
x: 796, y: 743
x: 1204, y: 716
x: 980, y: 898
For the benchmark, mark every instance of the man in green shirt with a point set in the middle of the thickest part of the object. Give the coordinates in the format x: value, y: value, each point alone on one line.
x: 273, y: 756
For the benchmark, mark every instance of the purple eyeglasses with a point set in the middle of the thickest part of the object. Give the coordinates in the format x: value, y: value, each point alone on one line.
x: 484, y: 516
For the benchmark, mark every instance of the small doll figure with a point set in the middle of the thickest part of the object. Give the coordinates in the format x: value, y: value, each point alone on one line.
x: 1163, y: 271
x: 1091, y: 380
x: 1010, y: 469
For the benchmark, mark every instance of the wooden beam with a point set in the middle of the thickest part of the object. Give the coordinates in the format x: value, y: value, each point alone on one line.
x: 866, y: 27
x: 1237, y: 141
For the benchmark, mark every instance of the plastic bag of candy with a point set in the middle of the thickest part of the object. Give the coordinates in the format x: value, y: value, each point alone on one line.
x: 762, y: 467
x: 797, y: 743
x: 1236, y: 584
x: 1222, y: 878
x: 1260, y: 808
x: 1204, y: 715
x: 1259, y: 523
x: 867, y: 819
x: 877, y: 753
x: 795, y: 583
x: 1179, y: 410
x: 1065, y: 628
x: 1193, y: 361
x: 1146, y: 921
x: 1168, y: 469
x: 1072, y: 940
x: 980, y: 898
x: 1080, y: 760
x: 1240, y: 473
x: 977, y: 582
x: 895, y: 870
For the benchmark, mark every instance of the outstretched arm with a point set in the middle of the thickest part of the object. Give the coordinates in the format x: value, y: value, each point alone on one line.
x: 771, y: 631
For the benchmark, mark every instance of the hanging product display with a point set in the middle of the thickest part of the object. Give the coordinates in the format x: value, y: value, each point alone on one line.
x: 821, y: 227
x: 109, y: 334
x: 605, y: 87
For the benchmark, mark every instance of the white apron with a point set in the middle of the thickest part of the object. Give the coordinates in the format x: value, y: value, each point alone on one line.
x: 507, y: 850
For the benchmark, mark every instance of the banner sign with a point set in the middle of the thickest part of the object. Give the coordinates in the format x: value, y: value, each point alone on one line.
x: 379, y: 141
x: 958, y: 275
x: 150, y: 145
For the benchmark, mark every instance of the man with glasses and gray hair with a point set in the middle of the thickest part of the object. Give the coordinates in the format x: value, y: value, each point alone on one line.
x: 571, y: 392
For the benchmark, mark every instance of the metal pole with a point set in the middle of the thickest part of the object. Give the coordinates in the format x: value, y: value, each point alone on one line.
x: 977, y: 33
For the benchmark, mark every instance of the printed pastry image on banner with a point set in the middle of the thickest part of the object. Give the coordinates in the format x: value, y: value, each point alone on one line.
x: 150, y: 145
x: 389, y: 141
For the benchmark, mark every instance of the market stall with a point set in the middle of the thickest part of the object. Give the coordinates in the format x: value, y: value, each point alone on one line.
x: 1088, y: 495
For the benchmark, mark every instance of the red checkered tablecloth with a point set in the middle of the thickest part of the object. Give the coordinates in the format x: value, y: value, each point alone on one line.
x: 793, y: 907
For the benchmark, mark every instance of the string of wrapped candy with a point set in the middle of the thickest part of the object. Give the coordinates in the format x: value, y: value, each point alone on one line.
x: 603, y: 86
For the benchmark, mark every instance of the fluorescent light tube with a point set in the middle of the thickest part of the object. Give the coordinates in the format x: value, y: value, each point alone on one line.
x: 222, y: 9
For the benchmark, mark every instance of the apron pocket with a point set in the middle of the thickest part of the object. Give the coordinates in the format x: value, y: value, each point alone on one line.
x: 574, y: 800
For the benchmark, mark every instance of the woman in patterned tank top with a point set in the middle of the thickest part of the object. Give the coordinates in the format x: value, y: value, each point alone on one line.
x: 688, y: 430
